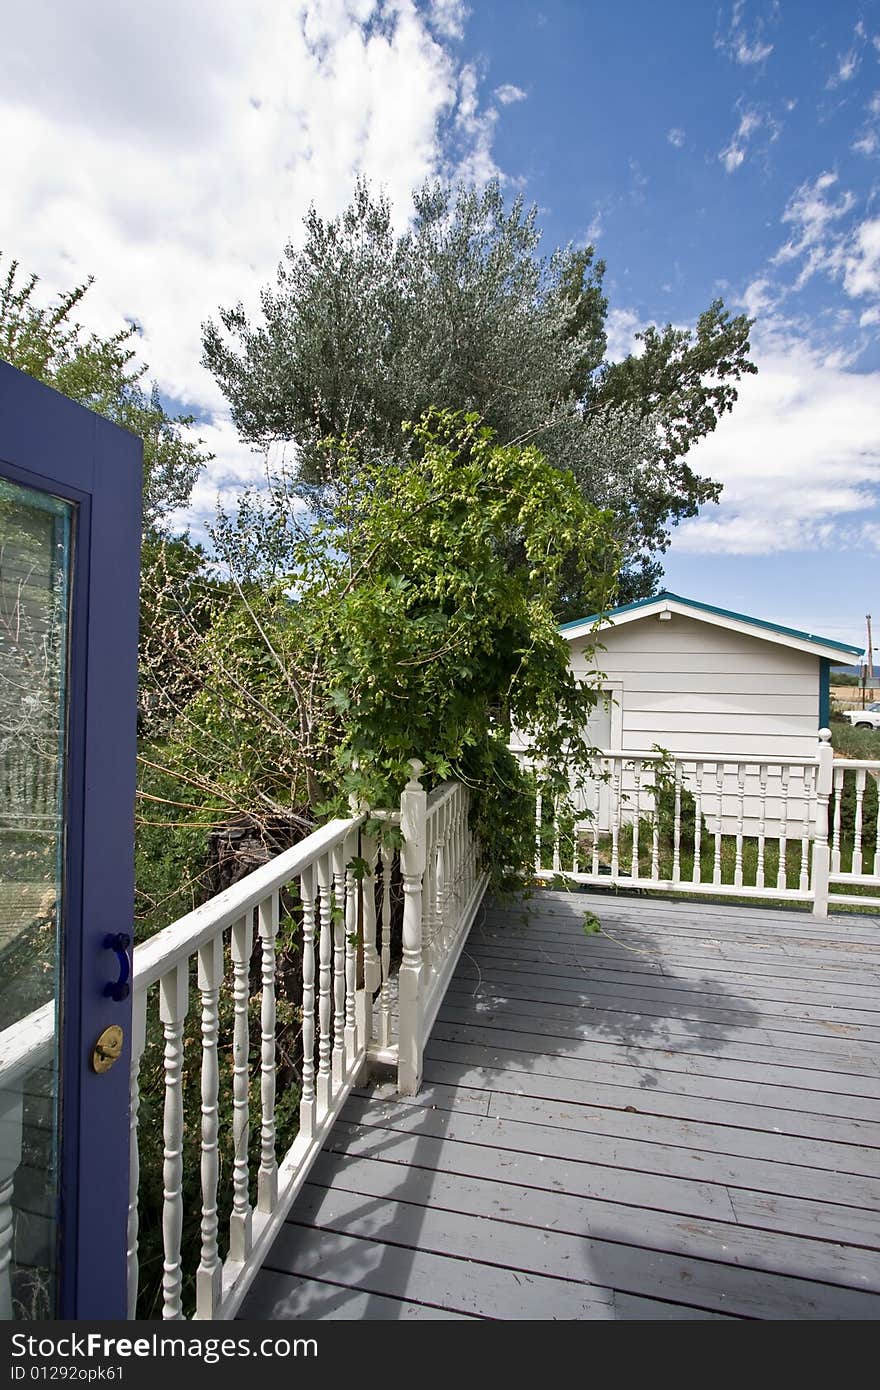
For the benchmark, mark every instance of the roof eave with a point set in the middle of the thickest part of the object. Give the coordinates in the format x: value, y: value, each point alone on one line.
x: 718, y: 617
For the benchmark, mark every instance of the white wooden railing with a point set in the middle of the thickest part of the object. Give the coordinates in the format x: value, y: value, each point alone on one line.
x: 727, y: 826
x: 443, y: 887
x: 349, y: 1015
x: 24, y: 1048
x: 855, y: 831
x: 357, y: 1008
x: 214, y: 943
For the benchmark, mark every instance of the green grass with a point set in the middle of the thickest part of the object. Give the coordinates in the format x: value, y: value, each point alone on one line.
x: 771, y: 859
x: 854, y: 743
x: 728, y: 853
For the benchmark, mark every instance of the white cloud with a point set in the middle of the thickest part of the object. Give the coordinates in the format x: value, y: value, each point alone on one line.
x: 448, y: 17
x: 676, y: 137
x: 172, y: 150
x: 595, y: 229
x: 867, y: 143
x: 848, y: 63
x: 826, y: 239
x: 621, y: 327
x: 507, y: 93
x: 476, y: 126
x: 861, y: 275
x: 234, y: 466
x: 736, y: 43
x: 751, y: 121
x: 758, y: 296
x: 847, y: 66
x: 814, y: 215
x: 799, y: 456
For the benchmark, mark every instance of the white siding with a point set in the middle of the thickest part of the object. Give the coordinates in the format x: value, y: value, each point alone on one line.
x: 696, y: 688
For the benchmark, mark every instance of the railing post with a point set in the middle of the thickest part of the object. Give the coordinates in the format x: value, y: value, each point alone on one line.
x: 821, y: 853
x: 413, y: 859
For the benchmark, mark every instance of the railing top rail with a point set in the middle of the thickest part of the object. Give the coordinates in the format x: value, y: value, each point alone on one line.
x: 179, y: 941
x: 871, y: 764
x: 712, y: 759
x: 439, y: 796
x: 26, y: 1044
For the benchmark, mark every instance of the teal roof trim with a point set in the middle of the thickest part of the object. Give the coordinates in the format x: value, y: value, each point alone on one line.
x: 719, y: 613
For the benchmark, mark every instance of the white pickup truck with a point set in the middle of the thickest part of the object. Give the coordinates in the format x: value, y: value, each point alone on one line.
x: 867, y: 718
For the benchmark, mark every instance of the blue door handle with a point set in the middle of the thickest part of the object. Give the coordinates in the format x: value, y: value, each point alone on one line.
x: 119, y: 943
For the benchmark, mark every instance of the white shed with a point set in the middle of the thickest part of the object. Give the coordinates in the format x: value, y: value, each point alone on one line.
x: 704, y: 681
x: 699, y: 679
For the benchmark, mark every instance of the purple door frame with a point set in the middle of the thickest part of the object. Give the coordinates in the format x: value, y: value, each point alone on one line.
x: 50, y: 443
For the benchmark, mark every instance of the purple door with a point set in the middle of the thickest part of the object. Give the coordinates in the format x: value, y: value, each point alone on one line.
x: 70, y: 515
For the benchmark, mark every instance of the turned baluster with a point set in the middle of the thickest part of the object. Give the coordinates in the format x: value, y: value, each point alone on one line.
x: 762, y: 824
x: 740, y: 824
x: 241, y: 1217
x: 325, y: 959
x: 307, y: 1104
x: 209, y: 1276
x: 173, y: 1002
x: 138, y: 1040
x: 719, y: 787
x: 267, y: 1175
x: 676, y: 825
x: 350, y: 928
x: 697, y: 875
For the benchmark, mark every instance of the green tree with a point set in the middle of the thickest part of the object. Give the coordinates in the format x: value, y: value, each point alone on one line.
x: 396, y: 626
x: 367, y: 327
x: 103, y: 374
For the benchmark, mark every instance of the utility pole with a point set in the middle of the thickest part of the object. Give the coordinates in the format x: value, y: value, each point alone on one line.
x: 868, y: 667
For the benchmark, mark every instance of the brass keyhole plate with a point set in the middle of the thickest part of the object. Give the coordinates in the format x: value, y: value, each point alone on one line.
x: 108, y: 1048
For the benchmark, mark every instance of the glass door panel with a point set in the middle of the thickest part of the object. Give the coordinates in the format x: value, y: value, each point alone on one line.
x: 36, y: 536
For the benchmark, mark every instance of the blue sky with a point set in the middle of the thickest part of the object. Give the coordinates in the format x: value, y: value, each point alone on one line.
x: 705, y: 149
x: 725, y: 150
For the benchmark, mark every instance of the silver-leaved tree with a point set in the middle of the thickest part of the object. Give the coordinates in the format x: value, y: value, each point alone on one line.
x: 368, y: 326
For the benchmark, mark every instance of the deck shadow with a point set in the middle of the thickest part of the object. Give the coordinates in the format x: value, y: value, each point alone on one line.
x: 516, y: 1185
x: 550, y: 980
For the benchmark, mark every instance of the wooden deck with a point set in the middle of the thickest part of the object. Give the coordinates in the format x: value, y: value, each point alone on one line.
x: 677, y: 1118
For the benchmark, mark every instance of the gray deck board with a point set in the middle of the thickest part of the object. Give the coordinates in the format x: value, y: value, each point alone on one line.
x: 825, y: 1020
x: 451, y: 1087
x: 728, y: 1060
x: 726, y: 959
x: 776, y: 1252
x: 636, y: 1155
x: 699, y: 983
x: 676, y: 1030
x: 558, y: 1266
x: 686, y: 1081
x: 673, y: 997
x: 679, y: 1122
